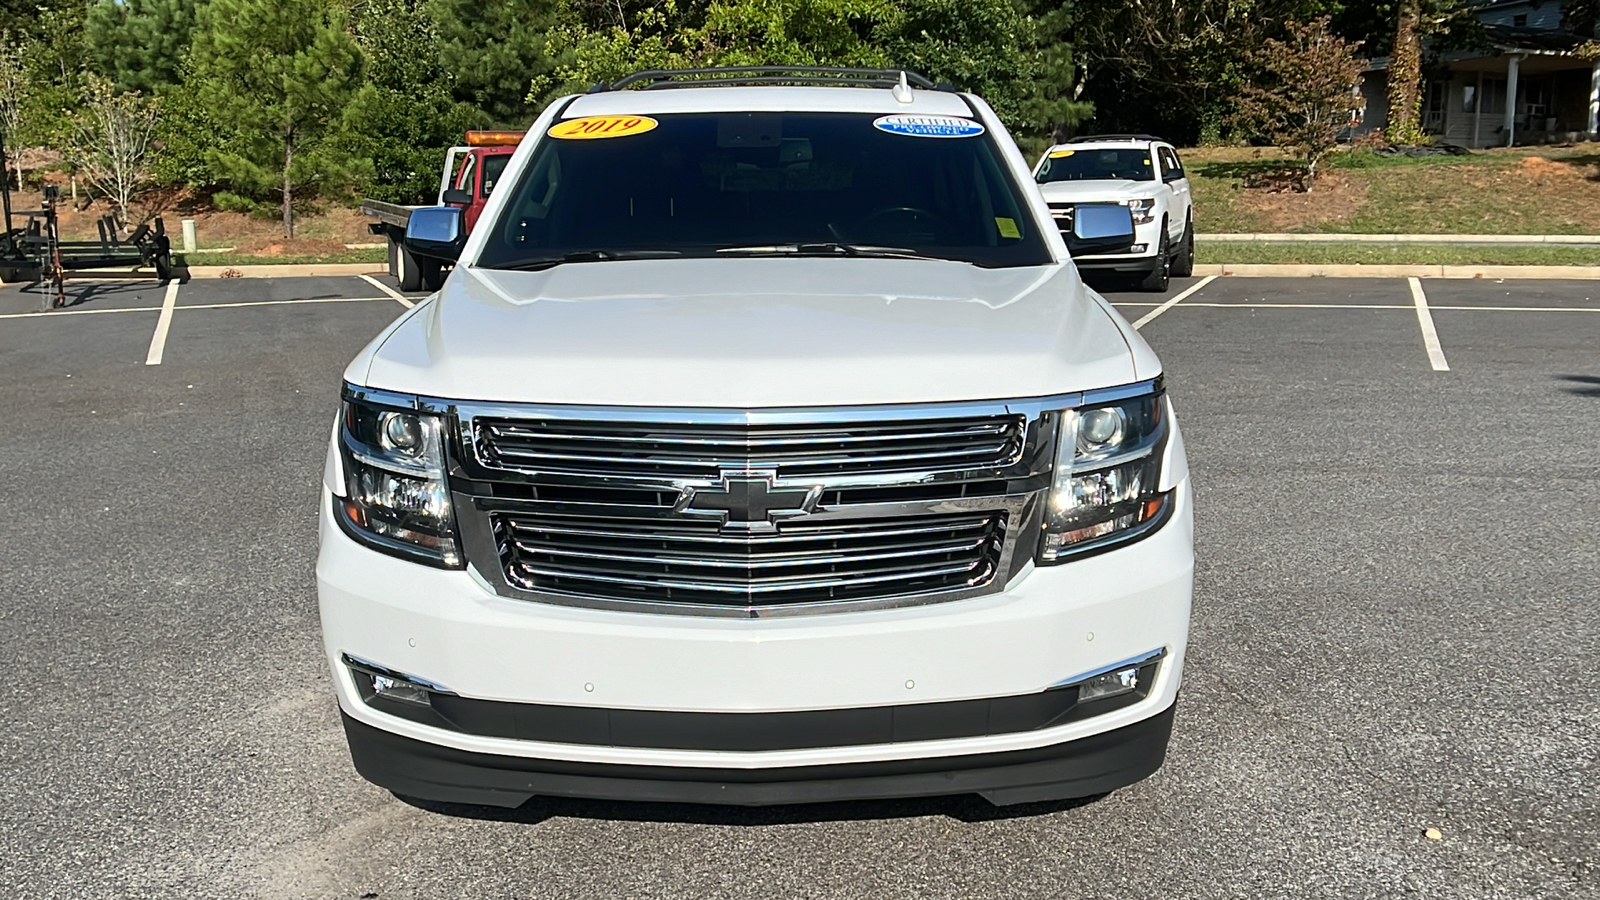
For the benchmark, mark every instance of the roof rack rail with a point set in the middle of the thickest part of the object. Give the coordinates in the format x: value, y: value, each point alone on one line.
x: 739, y: 76
x: 1086, y: 138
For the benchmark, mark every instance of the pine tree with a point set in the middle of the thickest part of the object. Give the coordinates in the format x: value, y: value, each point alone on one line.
x: 405, y: 116
x: 140, y: 44
x: 494, y: 51
x: 281, y: 73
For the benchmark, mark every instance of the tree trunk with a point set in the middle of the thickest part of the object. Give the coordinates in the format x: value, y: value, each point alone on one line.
x: 1405, y: 75
x: 288, y: 186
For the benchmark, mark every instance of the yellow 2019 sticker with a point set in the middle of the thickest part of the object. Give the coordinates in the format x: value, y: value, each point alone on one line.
x: 1062, y: 154
x: 595, y: 127
x: 1008, y: 227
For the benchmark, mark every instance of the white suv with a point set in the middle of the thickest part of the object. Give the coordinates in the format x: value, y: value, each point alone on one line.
x: 1140, y: 172
x: 764, y: 446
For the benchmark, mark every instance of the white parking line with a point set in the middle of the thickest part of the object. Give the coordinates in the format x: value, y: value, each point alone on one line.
x: 1174, y: 301
x: 1431, y: 307
x: 243, y: 303
x: 158, y: 341
x: 1283, y: 305
x: 1430, y: 335
x: 137, y: 309
x: 399, y: 298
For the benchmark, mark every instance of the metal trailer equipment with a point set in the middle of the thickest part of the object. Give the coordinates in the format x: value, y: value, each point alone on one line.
x: 34, y: 251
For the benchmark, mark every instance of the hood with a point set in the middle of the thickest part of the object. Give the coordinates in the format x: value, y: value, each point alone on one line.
x: 751, y: 333
x: 1090, y: 191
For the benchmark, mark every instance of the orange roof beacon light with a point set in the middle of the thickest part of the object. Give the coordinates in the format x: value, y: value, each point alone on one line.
x: 494, y: 138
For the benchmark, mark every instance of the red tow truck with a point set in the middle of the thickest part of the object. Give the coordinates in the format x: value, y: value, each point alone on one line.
x: 470, y: 174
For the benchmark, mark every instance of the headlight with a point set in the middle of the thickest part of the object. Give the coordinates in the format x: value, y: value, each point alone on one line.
x: 1107, y: 483
x: 1144, y: 211
x: 396, y: 498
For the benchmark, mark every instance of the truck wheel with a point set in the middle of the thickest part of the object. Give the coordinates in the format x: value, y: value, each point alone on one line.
x: 1183, y: 266
x: 432, y: 274
x: 394, y: 255
x: 1160, y: 277
x: 409, y: 269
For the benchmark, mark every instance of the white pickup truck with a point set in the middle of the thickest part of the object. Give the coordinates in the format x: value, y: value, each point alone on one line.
x: 1140, y: 172
x: 763, y: 447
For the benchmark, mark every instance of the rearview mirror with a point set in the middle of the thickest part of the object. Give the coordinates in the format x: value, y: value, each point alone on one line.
x: 1100, y: 228
x: 435, y: 231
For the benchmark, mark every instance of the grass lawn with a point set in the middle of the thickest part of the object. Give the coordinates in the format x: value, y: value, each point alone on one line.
x: 1243, y: 253
x: 244, y: 259
x: 1526, y: 191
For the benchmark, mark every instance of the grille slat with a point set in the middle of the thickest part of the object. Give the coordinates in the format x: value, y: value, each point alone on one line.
x: 736, y: 440
x: 696, y: 563
x: 733, y: 561
x: 655, y: 451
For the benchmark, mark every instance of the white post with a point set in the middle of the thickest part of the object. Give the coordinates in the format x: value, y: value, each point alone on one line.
x: 1513, y: 68
x: 190, y: 242
x: 1594, y: 104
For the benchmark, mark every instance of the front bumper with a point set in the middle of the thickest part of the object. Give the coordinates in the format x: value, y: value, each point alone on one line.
x: 1081, y: 768
x: 1148, y: 234
x: 1049, y: 627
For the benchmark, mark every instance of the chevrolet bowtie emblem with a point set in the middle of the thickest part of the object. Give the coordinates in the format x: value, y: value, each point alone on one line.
x: 747, y: 501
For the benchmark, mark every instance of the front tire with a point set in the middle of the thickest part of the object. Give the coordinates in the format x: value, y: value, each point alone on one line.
x: 410, y: 270
x: 432, y: 274
x: 1183, y: 266
x: 1160, y: 277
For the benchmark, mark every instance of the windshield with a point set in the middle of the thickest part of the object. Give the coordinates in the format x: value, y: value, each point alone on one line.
x: 1132, y: 164
x: 729, y: 184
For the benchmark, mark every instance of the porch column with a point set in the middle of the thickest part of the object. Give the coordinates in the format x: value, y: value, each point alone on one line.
x: 1513, y: 68
x: 1594, y: 103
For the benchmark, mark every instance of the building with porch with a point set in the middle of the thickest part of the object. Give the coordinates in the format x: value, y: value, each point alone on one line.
x: 1528, y: 83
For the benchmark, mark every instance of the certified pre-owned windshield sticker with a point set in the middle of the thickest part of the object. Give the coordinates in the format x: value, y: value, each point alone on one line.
x: 595, y: 127
x: 929, y: 126
x: 1062, y: 154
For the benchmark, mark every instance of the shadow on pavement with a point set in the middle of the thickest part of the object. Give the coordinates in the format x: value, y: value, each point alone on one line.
x: 1582, y: 385
x: 966, y: 808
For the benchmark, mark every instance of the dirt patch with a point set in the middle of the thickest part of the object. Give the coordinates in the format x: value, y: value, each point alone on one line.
x: 214, y: 227
x: 1539, y: 167
x: 1274, y: 198
x: 290, y: 247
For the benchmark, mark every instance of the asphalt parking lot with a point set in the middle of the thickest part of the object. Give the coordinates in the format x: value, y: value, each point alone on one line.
x: 1395, y: 625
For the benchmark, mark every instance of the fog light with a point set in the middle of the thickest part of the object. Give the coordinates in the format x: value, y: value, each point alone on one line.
x: 396, y: 689
x: 1138, y: 248
x: 1110, y: 684
x: 375, y: 682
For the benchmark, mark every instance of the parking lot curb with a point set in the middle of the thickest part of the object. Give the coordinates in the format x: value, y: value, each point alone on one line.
x: 297, y: 271
x: 1391, y: 271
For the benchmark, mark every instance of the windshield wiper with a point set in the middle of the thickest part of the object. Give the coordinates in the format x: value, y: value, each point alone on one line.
x: 827, y: 248
x: 535, y: 263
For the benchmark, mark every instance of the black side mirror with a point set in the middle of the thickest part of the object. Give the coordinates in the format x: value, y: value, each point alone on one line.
x: 1100, y: 228
x: 456, y: 197
x: 436, y: 231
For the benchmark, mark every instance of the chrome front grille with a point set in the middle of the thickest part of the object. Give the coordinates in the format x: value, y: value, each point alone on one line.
x: 688, y: 563
x: 751, y: 513
x: 703, y: 450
